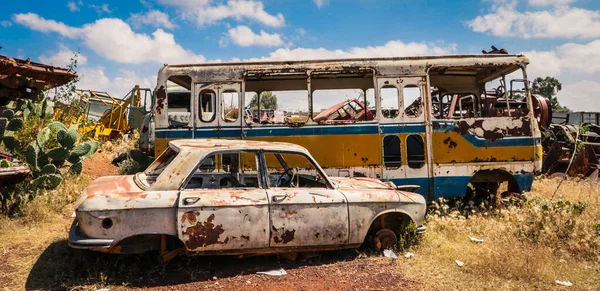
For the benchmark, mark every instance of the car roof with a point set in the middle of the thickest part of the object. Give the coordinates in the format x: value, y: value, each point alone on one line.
x: 230, y: 144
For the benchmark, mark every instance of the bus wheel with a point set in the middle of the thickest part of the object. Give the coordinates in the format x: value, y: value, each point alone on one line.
x: 385, y: 239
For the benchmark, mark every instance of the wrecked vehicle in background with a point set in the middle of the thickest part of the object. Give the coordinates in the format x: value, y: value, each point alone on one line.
x: 349, y: 110
x: 572, y: 145
x: 22, y: 80
x: 239, y: 197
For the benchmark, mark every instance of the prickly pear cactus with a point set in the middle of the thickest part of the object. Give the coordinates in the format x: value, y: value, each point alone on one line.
x: 31, y: 156
x: 48, y: 169
x: 58, y: 155
x: 47, y: 182
x: 76, y: 168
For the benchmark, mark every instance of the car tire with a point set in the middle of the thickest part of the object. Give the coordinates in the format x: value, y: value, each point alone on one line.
x: 385, y: 239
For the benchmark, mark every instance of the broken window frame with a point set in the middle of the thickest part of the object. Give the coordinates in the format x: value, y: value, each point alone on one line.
x: 172, y: 123
x: 218, y: 164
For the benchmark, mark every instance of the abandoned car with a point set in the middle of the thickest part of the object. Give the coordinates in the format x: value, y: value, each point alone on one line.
x: 237, y: 197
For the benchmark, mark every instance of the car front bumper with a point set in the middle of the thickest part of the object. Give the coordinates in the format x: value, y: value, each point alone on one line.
x: 78, y: 241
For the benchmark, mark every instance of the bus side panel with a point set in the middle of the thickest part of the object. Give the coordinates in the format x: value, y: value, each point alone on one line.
x: 461, y: 148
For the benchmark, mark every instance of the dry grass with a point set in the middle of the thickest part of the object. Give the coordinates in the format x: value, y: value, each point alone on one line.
x: 524, y: 247
x: 527, y: 247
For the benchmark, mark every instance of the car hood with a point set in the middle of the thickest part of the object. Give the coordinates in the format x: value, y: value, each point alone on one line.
x: 121, y: 192
x: 360, y: 184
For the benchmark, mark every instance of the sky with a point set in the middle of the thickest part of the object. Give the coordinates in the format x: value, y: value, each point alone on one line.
x: 124, y: 43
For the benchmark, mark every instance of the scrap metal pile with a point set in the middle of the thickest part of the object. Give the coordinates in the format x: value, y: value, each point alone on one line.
x: 572, y: 147
x: 24, y: 79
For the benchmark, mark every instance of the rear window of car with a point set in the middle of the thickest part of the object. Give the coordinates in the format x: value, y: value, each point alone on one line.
x: 159, y: 165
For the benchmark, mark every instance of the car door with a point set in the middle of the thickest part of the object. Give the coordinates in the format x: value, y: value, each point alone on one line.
x: 303, y: 213
x: 218, y: 213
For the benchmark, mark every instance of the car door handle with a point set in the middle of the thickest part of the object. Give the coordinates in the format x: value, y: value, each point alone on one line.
x: 190, y: 200
x: 279, y: 197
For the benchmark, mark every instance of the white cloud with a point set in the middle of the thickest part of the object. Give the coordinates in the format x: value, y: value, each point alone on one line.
x: 543, y: 63
x: 153, y: 18
x: 321, y: 3
x: 5, y: 23
x: 394, y: 48
x: 38, y: 23
x: 580, y: 96
x: 115, y: 40
x: 582, y: 58
x: 96, y: 79
x: 244, y: 36
x: 185, y: 3
x: 549, y: 2
x: 205, y: 14
x: 561, y: 21
x: 62, y: 57
x: 73, y: 7
x: 103, y: 8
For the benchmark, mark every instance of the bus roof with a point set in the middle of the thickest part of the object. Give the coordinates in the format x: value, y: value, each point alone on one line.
x: 436, y: 60
x: 485, y: 66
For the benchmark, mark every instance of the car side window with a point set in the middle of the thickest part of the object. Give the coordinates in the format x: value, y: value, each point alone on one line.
x: 225, y: 170
x: 291, y: 170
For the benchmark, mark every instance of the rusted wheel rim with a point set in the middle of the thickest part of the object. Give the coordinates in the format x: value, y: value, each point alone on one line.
x: 385, y: 239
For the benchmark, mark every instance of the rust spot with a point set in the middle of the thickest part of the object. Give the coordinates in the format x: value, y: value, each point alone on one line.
x: 451, y: 144
x: 161, y: 95
x: 287, y: 213
x: 286, y: 237
x: 204, y: 234
x: 190, y: 217
x: 435, y: 125
x: 245, y: 237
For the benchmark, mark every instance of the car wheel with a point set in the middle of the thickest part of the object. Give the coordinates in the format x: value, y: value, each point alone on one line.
x: 385, y: 239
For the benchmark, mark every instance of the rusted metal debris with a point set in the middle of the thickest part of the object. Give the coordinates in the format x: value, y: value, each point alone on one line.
x: 24, y: 79
x: 14, y: 174
x: 559, y: 148
x: 348, y: 110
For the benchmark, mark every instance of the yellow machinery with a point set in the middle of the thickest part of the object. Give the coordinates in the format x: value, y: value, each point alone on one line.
x: 105, y: 117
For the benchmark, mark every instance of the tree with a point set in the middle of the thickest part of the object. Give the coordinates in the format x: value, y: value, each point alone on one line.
x: 268, y: 100
x: 549, y: 87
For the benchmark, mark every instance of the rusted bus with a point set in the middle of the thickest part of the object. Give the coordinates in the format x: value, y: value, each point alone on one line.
x: 454, y: 112
x: 203, y: 196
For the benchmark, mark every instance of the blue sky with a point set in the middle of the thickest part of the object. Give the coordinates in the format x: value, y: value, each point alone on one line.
x: 123, y: 43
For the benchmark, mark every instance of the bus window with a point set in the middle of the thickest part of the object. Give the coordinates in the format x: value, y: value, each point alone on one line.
x: 455, y: 106
x: 336, y: 105
x: 370, y: 101
x: 278, y: 107
x: 413, y: 107
x: 206, y: 109
x: 249, y: 98
x: 230, y: 109
x: 389, y: 102
x: 415, y: 151
x: 392, y: 151
x: 505, y: 96
x: 179, y: 99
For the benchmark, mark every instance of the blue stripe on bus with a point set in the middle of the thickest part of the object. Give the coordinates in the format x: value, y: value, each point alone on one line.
x: 454, y: 186
x: 233, y: 132
x: 288, y: 131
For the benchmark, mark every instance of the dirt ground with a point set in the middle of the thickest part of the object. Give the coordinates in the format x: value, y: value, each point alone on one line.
x: 99, y: 165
